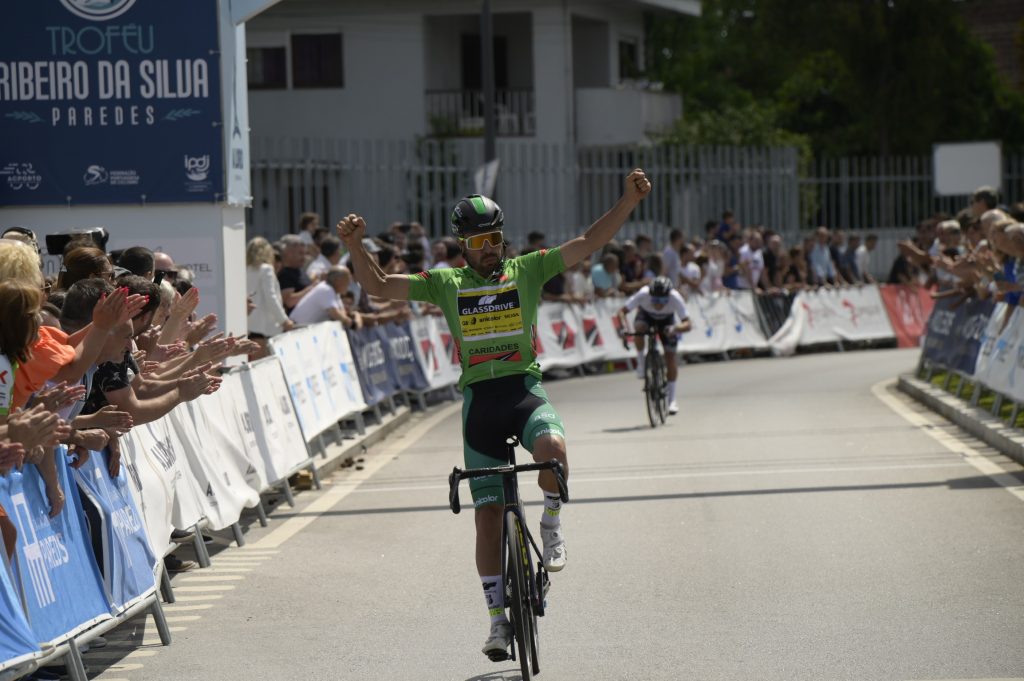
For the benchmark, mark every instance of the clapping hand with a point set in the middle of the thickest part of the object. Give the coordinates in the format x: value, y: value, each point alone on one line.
x: 60, y: 396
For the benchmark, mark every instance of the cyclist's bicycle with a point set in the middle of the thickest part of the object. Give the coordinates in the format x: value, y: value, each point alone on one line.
x: 655, y: 378
x: 525, y: 588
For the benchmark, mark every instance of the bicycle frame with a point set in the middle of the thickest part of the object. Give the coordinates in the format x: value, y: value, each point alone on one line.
x: 536, y: 582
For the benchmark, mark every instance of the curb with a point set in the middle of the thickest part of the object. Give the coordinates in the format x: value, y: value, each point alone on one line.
x: 976, y: 421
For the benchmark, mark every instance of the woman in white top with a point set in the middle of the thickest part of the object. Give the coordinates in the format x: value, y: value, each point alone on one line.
x: 268, y: 317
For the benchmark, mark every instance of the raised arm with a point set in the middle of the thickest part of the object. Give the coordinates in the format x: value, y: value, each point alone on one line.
x: 637, y: 186
x: 365, y: 267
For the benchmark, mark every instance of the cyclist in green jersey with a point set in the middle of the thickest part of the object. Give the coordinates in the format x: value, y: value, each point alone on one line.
x: 491, y: 308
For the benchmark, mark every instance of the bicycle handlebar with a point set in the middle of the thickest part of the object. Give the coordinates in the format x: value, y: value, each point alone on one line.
x: 458, y: 475
x: 633, y: 334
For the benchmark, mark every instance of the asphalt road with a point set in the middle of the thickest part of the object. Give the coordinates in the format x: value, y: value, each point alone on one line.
x: 790, y: 523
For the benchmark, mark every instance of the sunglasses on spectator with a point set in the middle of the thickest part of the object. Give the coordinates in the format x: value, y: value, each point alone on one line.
x: 160, y: 275
x: 477, y: 241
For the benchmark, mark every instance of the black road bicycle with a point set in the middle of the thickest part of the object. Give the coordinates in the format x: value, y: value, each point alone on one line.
x: 655, y: 378
x: 525, y: 587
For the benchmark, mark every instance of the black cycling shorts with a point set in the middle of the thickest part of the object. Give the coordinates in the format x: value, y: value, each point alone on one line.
x: 494, y: 410
x: 665, y: 326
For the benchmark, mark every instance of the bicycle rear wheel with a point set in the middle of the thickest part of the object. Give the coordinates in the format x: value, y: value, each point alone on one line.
x: 653, y: 388
x: 520, y: 607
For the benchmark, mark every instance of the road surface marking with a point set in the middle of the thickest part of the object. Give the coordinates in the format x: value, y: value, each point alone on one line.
x: 174, y: 607
x: 204, y: 597
x: 934, y: 428
x: 330, y: 498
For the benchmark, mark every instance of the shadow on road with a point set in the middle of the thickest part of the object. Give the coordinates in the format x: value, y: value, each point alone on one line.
x: 968, y: 483
x: 507, y: 675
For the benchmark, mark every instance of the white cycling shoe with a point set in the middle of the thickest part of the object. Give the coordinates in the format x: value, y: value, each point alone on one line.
x: 554, y: 548
x: 497, y: 644
x: 673, y: 408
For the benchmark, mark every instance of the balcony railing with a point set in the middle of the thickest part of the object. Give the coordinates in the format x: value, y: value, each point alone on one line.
x: 460, y: 113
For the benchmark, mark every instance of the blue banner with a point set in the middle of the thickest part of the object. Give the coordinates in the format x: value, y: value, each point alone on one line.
x: 955, y: 331
x: 55, y: 563
x: 110, y: 101
x: 405, y: 370
x: 17, y: 643
x: 128, y: 560
x: 369, y: 349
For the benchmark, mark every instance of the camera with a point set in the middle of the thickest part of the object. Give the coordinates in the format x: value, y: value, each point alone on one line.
x: 56, y: 243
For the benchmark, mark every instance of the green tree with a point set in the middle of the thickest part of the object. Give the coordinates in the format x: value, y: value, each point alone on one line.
x: 853, y: 76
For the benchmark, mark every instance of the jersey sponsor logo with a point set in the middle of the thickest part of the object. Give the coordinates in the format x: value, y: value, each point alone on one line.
x: 424, y: 274
x: 509, y: 354
x: 490, y: 312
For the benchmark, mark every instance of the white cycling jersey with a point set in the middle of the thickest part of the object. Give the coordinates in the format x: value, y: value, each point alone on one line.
x: 642, y: 299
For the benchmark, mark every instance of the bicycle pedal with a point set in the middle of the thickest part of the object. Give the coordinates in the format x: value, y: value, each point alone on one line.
x: 498, y: 655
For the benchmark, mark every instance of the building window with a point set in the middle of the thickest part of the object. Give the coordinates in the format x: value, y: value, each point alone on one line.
x: 317, y: 60
x: 266, y: 68
x: 629, y: 60
x: 472, y: 67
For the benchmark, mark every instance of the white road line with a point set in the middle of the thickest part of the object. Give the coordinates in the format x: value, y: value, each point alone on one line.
x: 934, y: 429
x: 224, y: 570
x: 183, y: 618
x: 195, y: 589
x: 117, y: 655
x: 204, y: 597
x: 343, y: 488
x: 174, y: 607
x: 707, y: 474
x: 209, y: 578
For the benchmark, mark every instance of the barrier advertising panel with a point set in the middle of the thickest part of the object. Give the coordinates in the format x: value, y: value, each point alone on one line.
x: 128, y: 560
x: 908, y: 308
x: 63, y: 591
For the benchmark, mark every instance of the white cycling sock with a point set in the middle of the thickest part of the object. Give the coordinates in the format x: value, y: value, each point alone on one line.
x: 552, y: 511
x: 671, y: 391
x: 640, y: 358
x: 494, y: 592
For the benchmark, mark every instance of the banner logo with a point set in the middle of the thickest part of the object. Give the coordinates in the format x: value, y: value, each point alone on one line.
x: 197, y: 167
x: 95, y: 175
x: 21, y: 175
x: 33, y: 551
x: 97, y: 10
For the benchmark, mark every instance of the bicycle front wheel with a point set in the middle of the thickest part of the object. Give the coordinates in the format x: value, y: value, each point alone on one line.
x: 662, y: 390
x: 653, y: 388
x: 520, y: 608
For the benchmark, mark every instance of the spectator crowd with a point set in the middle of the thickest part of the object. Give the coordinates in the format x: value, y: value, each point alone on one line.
x: 305, y: 277
x: 112, y: 342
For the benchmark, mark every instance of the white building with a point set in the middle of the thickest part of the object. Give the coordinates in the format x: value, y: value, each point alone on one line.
x: 565, y: 70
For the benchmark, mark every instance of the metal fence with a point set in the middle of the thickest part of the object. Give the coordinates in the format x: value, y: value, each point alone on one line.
x: 554, y: 188
x: 559, y: 189
x: 882, y: 193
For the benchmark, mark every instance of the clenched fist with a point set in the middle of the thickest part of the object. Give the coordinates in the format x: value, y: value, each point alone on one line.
x: 637, y: 186
x: 351, y: 230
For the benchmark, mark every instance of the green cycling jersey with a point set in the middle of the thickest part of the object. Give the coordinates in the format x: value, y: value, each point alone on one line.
x: 493, y: 320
